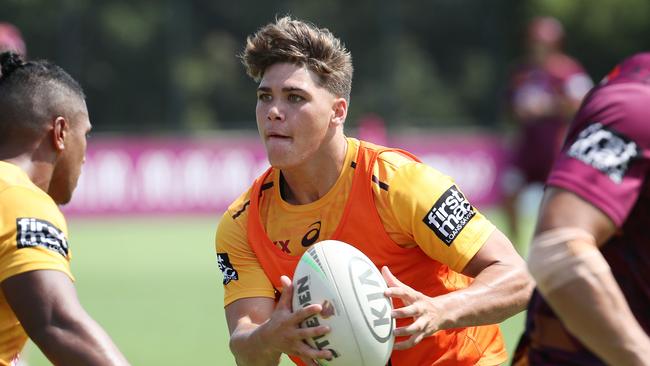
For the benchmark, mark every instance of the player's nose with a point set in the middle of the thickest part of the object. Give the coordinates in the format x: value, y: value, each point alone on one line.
x: 275, y: 114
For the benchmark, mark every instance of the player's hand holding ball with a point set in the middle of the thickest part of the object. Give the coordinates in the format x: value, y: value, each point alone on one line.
x: 283, y: 332
x: 426, y: 316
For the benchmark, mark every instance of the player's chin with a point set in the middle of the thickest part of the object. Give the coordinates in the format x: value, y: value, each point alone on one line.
x: 282, y: 158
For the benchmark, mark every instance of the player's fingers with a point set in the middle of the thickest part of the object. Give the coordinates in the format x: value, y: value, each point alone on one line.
x: 311, y: 332
x: 412, y: 341
x: 287, y: 293
x: 391, y: 280
x: 418, y: 326
x: 306, y: 312
x: 406, y: 294
x: 303, y: 350
x: 409, y: 311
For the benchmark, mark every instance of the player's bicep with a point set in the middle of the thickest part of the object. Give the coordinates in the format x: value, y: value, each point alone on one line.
x: 562, y: 208
x: 246, y: 312
x: 497, y: 249
x: 41, y: 299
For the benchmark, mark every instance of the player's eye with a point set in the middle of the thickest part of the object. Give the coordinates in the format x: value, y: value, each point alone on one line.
x: 295, y: 98
x: 264, y: 97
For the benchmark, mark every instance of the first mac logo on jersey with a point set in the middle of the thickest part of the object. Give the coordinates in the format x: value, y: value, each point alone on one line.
x: 449, y: 215
x: 33, y: 232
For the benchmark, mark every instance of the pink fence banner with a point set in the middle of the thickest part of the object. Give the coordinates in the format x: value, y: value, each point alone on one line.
x: 204, y: 175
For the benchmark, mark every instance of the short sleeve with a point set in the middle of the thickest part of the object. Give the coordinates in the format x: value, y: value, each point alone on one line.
x: 243, y: 275
x: 33, y: 235
x: 429, y: 207
x: 606, y: 156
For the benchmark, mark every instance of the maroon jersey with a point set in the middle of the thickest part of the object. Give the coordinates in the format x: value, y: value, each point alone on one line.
x: 538, y: 98
x: 606, y: 161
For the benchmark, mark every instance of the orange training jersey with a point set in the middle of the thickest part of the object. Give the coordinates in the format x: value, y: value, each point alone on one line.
x: 408, y: 212
x: 33, y: 236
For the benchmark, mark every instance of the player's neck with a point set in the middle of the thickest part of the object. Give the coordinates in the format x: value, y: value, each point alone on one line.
x: 35, y: 158
x: 309, y: 182
x: 38, y: 171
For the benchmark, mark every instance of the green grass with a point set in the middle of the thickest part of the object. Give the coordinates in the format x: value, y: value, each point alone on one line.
x: 153, y: 284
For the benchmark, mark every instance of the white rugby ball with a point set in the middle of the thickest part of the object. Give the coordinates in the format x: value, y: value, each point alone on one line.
x: 351, y: 290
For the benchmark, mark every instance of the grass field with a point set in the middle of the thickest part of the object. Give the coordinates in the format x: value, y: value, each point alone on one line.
x: 153, y: 284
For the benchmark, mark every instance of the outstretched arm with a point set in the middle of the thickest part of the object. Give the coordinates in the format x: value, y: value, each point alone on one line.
x: 46, y: 304
x: 577, y: 282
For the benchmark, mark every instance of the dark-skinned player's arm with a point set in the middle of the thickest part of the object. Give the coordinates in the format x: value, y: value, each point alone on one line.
x: 577, y: 282
x: 46, y: 304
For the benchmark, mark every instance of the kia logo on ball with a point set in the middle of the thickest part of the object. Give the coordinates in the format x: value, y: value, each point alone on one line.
x: 369, y: 292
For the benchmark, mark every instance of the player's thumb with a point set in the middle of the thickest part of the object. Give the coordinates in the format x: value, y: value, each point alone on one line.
x: 287, y: 293
x: 391, y: 280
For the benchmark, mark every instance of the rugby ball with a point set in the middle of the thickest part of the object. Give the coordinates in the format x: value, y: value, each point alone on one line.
x: 351, y: 290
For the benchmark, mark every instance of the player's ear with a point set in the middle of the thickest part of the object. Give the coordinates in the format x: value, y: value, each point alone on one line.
x: 60, y: 128
x: 340, y: 111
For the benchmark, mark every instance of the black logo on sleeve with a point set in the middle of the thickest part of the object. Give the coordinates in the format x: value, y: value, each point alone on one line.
x: 229, y: 272
x: 449, y: 215
x: 312, y: 235
x: 31, y: 232
x: 605, y: 150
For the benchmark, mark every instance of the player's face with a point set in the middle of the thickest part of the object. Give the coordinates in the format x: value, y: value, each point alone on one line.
x: 68, y: 168
x: 295, y: 115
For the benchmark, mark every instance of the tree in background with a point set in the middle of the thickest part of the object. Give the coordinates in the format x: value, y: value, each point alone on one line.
x: 155, y: 66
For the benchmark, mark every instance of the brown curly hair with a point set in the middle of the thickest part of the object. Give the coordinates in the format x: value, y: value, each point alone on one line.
x: 304, y: 44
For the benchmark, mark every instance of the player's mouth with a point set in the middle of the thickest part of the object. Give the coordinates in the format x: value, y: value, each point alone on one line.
x: 277, y: 137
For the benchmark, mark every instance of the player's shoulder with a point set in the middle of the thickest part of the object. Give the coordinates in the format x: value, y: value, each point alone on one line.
x: 404, y: 174
x: 394, y: 159
x: 627, y: 93
x: 621, y: 103
x: 397, y: 160
x: 27, y: 200
x: 238, y: 209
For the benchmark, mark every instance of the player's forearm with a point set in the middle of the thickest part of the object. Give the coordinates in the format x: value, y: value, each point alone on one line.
x: 497, y: 293
x: 249, y: 346
x: 78, y: 342
x: 595, y: 311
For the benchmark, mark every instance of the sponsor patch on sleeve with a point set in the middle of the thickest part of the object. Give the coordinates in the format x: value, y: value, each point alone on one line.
x: 604, y: 149
x: 32, y: 232
x: 449, y: 215
x: 229, y: 272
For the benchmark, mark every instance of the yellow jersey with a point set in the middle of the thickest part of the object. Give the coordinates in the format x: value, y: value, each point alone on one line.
x: 33, y: 236
x: 410, y: 200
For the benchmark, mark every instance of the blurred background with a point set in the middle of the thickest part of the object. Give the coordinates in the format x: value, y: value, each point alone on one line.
x: 174, y: 138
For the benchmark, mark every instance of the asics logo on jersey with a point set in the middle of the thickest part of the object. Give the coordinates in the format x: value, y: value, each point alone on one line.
x: 312, y: 234
x: 229, y: 272
x: 605, y: 150
x: 449, y: 215
x: 32, y: 232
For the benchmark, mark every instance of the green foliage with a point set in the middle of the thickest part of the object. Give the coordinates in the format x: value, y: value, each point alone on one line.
x: 154, y: 66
